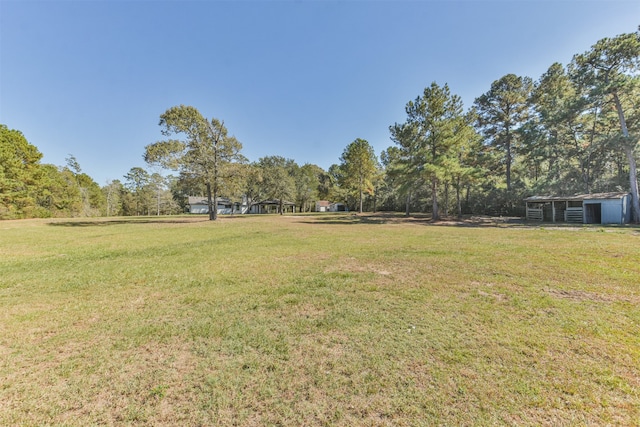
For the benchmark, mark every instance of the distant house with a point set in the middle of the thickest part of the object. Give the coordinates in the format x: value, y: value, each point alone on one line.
x: 323, y: 205
x: 600, y: 208
x: 338, y: 207
x: 326, y: 206
x: 199, y: 205
x: 272, y: 207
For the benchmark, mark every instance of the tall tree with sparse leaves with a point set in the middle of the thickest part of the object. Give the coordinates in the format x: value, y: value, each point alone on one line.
x: 501, y: 113
x: 432, y: 136
x: 204, y: 154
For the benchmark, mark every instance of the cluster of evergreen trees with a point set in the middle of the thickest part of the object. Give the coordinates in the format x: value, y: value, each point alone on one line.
x: 31, y: 189
x: 574, y: 130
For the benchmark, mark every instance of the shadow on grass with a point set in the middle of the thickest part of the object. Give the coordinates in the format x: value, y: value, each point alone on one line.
x: 380, y: 218
x: 108, y: 222
x: 466, y: 221
x: 102, y: 222
x: 418, y: 219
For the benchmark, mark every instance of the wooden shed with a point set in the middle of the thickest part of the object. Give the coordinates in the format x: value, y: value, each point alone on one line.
x: 597, y: 208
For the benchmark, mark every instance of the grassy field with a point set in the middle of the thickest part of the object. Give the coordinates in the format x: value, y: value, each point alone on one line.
x: 317, y: 320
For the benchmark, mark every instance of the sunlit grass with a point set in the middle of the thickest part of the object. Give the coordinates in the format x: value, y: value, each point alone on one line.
x: 317, y: 320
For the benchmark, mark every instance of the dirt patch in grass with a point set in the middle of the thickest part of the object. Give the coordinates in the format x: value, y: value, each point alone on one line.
x: 353, y: 265
x: 579, y: 295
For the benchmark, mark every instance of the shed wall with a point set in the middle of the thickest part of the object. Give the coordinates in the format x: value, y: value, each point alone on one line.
x: 626, y: 209
x: 612, y: 211
x: 204, y: 209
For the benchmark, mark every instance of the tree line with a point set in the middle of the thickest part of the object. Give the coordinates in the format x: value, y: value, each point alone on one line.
x: 574, y: 130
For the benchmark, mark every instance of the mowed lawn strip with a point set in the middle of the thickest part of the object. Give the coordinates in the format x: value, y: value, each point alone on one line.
x: 317, y: 320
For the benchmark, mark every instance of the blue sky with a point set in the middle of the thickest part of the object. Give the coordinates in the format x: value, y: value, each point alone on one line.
x: 301, y: 79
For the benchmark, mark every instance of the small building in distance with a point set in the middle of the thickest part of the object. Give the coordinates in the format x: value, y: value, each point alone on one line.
x: 326, y: 206
x: 597, y: 208
x: 272, y: 207
x: 323, y: 206
x: 199, y: 205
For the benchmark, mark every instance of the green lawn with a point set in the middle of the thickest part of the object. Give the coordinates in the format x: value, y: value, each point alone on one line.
x: 317, y: 320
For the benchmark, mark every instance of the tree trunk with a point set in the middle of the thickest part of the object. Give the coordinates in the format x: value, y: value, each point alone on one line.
x: 212, y: 210
x: 586, y: 174
x: 446, y: 199
x: 435, y: 216
x: 361, y: 184
x: 375, y: 199
x: 508, y: 162
x: 407, y: 204
x: 458, y: 198
x: 633, y: 171
x: 633, y: 181
x: 466, y: 197
x: 214, y: 215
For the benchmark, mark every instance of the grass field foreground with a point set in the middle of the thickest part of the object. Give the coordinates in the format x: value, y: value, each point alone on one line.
x: 317, y: 320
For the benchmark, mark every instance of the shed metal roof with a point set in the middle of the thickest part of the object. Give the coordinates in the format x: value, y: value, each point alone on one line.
x: 576, y: 198
x: 275, y: 203
x: 196, y: 200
